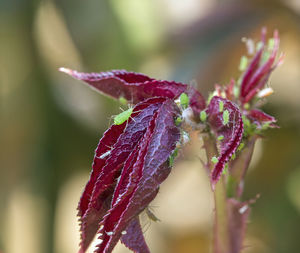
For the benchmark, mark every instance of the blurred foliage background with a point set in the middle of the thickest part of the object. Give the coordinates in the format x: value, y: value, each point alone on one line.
x: 51, y: 124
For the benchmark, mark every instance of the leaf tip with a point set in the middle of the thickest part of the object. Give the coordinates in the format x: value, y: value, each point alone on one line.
x: 66, y: 70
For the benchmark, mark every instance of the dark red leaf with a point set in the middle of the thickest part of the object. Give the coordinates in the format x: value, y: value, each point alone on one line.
x: 120, y: 142
x: 256, y: 74
x: 134, y: 238
x: 232, y: 132
x: 136, y: 87
x: 254, y: 64
x: 139, y: 184
x: 197, y: 101
x: 88, y: 226
x: 261, y: 116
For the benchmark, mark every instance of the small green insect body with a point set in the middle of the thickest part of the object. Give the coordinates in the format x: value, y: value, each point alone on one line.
x: 214, y: 159
x: 220, y: 137
x: 178, y: 121
x: 221, y: 106
x: 184, y: 100
x: 123, y: 116
x: 225, y: 117
x: 225, y: 169
x: 203, y: 116
x: 172, y: 157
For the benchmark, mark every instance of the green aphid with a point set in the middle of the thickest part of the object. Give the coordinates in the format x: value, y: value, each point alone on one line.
x: 123, y: 101
x: 123, y: 116
x: 225, y: 117
x: 221, y: 106
x: 220, y: 137
x: 172, y: 157
x: 178, y: 121
x: 214, y: 159
x: 233, y: 156
x: 210, y: 96
x: 240, y: 147
x: 247, y: 106
x: 203, y: 116
x: 243, y: 63
x: 184, y: 100
x: 225, y: 169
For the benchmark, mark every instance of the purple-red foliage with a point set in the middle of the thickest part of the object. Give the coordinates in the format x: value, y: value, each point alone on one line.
x: 232, y: 131
x: 133, y: 158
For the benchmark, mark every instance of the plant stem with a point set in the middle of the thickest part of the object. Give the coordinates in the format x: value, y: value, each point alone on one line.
x: 230, y: 214
x: 221, y: 225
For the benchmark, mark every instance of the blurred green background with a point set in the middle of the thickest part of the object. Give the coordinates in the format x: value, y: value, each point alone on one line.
x: 51, y: 124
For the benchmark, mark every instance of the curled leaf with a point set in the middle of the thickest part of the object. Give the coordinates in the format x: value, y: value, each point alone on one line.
x: 230, y: 131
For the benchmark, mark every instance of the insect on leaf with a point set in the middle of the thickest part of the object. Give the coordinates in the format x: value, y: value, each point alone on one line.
x: 123, y: 116
x: 184, y: 100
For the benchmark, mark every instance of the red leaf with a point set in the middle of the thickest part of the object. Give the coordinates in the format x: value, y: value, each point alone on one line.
x: 88, y: 226
x: 256, y: 74
x: 232, y: 132
x: 254, y: 64
x: 260, y: 118
x: 134, y: 238
x: 96, y: 198
x: 139, y: 184
x: 136, y: 87
x: 258, y: 115
x: 197, y: 101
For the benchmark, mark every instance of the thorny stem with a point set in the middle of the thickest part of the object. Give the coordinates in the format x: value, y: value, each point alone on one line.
x: 221, y: 223
x: 238, y: 169
x: 229, y: 223
x: 221, y: 232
